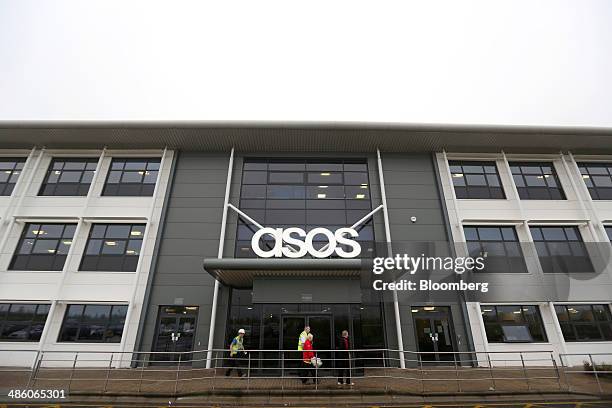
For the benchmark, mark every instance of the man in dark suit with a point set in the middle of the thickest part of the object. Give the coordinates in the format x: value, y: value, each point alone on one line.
x: 343, y: 358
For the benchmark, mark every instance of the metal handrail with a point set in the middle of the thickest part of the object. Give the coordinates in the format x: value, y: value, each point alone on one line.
x: 181, y: 372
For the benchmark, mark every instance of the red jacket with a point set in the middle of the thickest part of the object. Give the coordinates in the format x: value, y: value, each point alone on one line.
x: 307, y: 351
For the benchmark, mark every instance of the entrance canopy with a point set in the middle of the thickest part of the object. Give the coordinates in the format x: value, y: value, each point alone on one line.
x: 241, y: 272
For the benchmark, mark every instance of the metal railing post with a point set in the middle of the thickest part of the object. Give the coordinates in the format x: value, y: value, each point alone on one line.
x: 491, y: 372
x: 385, y: 366
x: 214, y: 356
x: 316, y: 379
x: 525, y: 372
x: 457, y: 373
x: 420, y: 358
x: 110, y: 363
x: 178, y: 373
x: 249, y: 372
x: 283, y: 370
x: 76, y: 356
x: 565, y: 374
x: 596, y: 375
x: 556, y: 366
x: 144, y: 360
x: 34, y: 370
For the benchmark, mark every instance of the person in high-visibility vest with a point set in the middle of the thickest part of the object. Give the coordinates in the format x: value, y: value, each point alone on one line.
x: 237, y: 351
x: 303, y: 337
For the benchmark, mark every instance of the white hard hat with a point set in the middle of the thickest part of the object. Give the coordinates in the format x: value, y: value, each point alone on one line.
x: 241, y: 331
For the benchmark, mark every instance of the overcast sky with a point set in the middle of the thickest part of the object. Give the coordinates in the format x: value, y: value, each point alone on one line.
x: 495, y: 62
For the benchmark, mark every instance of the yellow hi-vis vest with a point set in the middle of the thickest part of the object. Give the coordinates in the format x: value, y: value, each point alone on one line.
x: 236, y: 345
x: 302, y: 340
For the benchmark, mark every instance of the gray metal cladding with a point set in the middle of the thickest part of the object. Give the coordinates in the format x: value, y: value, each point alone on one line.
x: 191, y: 233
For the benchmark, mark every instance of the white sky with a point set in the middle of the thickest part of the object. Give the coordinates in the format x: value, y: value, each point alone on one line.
x: 497, y: 62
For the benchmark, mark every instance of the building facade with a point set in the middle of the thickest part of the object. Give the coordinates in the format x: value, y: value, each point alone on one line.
x: 116, y: 239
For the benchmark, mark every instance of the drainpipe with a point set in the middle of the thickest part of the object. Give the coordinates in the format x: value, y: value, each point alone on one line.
x: 398, y: 322
x: 213, y: 312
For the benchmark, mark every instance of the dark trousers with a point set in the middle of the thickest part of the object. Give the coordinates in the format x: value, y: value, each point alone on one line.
x: 306, y: 370
x: 234, y: 362
x: 344, y: 373
x: 343, y: 365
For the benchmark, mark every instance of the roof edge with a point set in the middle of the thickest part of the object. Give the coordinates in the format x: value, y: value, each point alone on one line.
x: 332, y: 125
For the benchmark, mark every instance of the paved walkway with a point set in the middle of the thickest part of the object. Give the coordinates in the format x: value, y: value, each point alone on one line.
x: 380, y: 387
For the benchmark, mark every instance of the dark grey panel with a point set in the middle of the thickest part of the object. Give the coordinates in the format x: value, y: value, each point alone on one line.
x: 199, y: 190
x: 412, y: 190
x: 191, y: 214
x: 191, y: 233
x: 315, y: 291
x: 409, y: 177
x: 203, y: 230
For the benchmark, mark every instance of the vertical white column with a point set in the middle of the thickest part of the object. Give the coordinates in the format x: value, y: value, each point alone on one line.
x: 22, y: 195
x: 586, y: 213
x: 595, y: 225
x: 18, y: 185
x: 138, y: 275
x: 398, y: 321
x: 213, y: 312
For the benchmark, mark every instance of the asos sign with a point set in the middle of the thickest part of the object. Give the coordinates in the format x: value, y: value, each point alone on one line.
x: 299, y: 243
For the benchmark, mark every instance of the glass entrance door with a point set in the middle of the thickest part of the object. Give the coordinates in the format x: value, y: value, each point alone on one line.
x: 175, y: 330
x: 321, y: 329
x: 434, y: 333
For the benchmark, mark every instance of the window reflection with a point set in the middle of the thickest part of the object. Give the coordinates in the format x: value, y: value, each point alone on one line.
x: 305, y: 194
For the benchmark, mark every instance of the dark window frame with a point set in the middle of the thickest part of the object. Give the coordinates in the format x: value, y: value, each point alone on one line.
x: 524, y: 323
x: 572, y: 324
x: 52, y: 257
x: 119, y: 260
x: 558, y: 263
x: 529, y: 192
x: 588, y: 173
x: 128, y: 188
x: 18, y: 163
x: 29, y: 324
x: 508, y: 261
x: 80, y: 188
x: 82, y: 323
x: 470, y: 191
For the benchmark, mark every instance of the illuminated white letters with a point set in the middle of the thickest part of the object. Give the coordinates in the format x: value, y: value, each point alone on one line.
x: 287, y: 242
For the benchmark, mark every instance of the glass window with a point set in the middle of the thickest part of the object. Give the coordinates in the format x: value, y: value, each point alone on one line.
x: 132, y: 177
x: 69, y: 177
x: 585, y: 322
x: 513, y: 324
x: 609, y: 232
x: 22, y: 322
x: 93, y: 323
x: 10, y: 169
x: 536, y: 181
x: 43, y: 247
x: 598, y: 179
x: 302, y: 193
x: 498, y: 245
x: 476, y: 179
x: 561, y: 250
x: 113, y: 247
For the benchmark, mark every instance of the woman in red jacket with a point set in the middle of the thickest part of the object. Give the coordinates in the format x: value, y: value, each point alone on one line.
x: 307, y: 356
